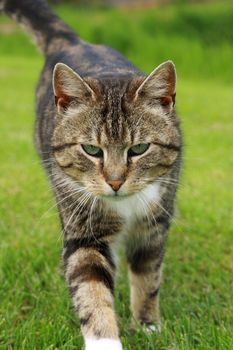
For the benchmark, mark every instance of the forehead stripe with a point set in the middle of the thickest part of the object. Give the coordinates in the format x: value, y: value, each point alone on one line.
x: 168, y: 146
x: 61, y: 147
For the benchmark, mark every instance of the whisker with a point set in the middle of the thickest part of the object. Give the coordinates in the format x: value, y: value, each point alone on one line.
x: 148, y: 206
x: 155, y: 203
x: 144, y: 206
x: 53, y: 206
x: 86, y: 197
x: 90, y: 214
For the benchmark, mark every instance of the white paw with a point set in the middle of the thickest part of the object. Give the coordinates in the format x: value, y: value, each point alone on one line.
x: 153, y: 328
x: 102, y: 344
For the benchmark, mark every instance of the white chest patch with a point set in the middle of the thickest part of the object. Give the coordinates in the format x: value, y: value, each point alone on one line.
x: 137, y: 205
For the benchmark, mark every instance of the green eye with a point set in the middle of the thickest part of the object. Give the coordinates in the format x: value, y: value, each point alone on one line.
x: 93, y: 150
x: 138, y: 149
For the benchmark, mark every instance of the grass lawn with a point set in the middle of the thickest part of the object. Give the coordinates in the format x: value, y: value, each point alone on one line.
x: 35, y: 308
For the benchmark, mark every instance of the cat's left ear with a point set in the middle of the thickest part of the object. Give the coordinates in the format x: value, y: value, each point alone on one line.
x: 159, y: 86
x: 70, y: 88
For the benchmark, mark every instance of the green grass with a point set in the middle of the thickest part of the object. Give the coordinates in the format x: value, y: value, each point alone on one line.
x: 35, y: 308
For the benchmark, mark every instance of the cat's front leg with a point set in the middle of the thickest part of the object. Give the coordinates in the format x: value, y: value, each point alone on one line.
x: 89, y: 270
x: 145, y: 269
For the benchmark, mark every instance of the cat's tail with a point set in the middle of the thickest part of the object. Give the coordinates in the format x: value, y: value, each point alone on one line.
x: 48, y: 30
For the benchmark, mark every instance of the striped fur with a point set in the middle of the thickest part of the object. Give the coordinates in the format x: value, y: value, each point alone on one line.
x: 91, y: 95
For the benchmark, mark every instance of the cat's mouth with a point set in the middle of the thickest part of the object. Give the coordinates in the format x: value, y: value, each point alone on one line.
x: 116, y: 197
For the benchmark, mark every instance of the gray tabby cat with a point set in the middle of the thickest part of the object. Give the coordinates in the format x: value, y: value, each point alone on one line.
x: 110, y: 143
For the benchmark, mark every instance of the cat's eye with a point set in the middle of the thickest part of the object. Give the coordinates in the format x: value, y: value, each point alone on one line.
x: 137, y: 150
x: 93, y: 151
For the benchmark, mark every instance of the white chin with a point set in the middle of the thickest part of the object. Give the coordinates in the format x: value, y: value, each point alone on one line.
x: 135, y: 205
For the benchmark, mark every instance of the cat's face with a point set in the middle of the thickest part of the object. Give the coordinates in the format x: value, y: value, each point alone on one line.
x: 115, y: 139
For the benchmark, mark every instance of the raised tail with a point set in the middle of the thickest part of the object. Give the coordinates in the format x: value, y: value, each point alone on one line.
x: 48, y: 30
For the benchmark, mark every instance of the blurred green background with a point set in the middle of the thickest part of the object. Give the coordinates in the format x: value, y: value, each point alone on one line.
x: 196, y: 305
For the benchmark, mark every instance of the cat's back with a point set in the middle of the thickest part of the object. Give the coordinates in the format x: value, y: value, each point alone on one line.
x: 90, y: 60
x: 99, y: 61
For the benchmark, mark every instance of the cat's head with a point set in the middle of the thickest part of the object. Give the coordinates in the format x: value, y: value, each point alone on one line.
x: 115, y: 137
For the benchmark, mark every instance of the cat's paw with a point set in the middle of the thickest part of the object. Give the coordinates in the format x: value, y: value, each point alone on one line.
x: 153, y: 328
x: 149, y: 328
x: 102, y: 344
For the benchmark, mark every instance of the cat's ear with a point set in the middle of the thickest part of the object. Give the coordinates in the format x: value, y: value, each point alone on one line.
x: 159, y: 86
x: 69, y: 88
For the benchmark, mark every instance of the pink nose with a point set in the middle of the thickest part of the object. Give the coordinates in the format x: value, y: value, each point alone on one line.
x: 115, y: 184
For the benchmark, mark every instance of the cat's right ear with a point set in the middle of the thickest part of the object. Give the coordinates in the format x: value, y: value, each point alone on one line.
x: 69, y: 88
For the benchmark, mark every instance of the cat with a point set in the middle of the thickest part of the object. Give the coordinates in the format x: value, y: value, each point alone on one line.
x: 110, y: 142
